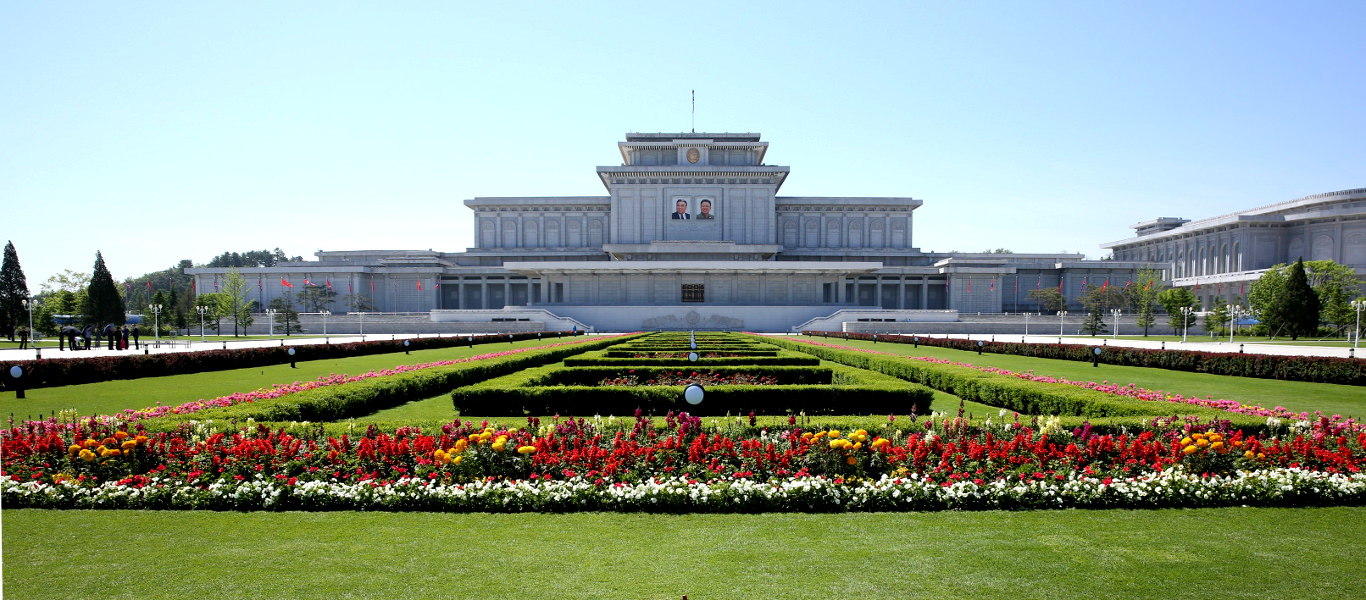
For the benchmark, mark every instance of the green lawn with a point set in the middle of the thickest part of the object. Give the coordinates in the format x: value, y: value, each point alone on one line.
x: 1294, y: 395
x: 1168, y: 554
x: 113, y: 396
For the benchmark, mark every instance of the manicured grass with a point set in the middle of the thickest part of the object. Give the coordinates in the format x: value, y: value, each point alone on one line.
x: 1294, y: 395
x: 113, y: 396
x: 1168, y: 554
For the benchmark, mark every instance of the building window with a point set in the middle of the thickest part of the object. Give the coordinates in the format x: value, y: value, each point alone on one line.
x: 693, y: 292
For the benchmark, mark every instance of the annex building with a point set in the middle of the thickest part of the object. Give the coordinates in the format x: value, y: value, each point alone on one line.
x: 691, y: 233
x: 1221, y: 256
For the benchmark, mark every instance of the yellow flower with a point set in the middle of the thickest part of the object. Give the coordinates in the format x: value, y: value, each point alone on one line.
x: 460, y: 446
x: 851, y: 460
x: 119, y: 435
x: 498, y: 446
x: 114, y: 452
x: 858, y: 445
x: 129, y: 444
x: 834, y: 433
x: 1218, y: 447
x: 1189, y: 450
x: 836, y: 444
x: 87, y: 455
x: 1186, y: 441
x: 526, y: 449
x: 74, y: 449
x: 456, y: 460
x: 1202, y: 442
x: 1248, y: 455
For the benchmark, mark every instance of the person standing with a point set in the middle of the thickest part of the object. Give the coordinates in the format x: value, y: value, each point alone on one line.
x: 23, y: 338
x: 123, y: 337
x: 86, y: 334
x: 135, y: 338
x: 109, y: 332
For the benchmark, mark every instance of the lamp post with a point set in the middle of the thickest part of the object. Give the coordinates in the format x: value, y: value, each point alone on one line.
x: 1234, y: 312
x: 1062, y: 314
x: 1358, y: 305
x: 201, y: 310
x: 1116, y: 312
x: 270, y: 327
x: 29, y: 304
x: 1186, y: 321
x: 362, y: 325
x: 1026, y: 325
x: 156, y: 322
x: 325, y: 312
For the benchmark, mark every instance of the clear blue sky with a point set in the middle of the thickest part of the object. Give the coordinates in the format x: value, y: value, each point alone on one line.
x: 156, y: 132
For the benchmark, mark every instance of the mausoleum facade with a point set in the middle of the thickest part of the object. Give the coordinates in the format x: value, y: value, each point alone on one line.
x: 691, y: 234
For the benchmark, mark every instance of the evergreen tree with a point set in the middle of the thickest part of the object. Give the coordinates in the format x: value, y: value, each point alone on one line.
x: 13, y: 292
x: 1093, y: 324
x: 1296, y: 310
x: 1172, y: 301
x: 102, y: 305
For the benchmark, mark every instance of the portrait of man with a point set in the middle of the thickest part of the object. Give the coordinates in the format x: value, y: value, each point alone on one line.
x: 681, y: 210
x: 704, y: 209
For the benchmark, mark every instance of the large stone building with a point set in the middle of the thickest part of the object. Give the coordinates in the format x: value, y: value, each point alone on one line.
x: 692, y: 234
x: 1221, y: 256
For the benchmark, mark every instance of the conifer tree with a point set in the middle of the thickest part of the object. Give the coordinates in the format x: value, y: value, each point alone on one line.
x: 13, y: 292
x: 1296, y: 309
x: 102, y: 302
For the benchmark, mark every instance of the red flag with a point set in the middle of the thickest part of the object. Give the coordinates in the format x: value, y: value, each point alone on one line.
x: 215, y: 284
x: 1220, y: 290
x: 1105, y: 285
x: 285, y: 283
x: 128, y: 286
x: 1148, y: 287
x: 149, y: 284
x: 329, y: 284
x: 1240, y: 289
x: 419, y: 285
x: 372, y: 286
x: 1197, y: 287
x: 993, y: 284
x: 348, y: 288
x: 1038, y: 282
x: 1059, y: 285
x: 969, y: 285
x: 193, y: 286
x: 307, y: 282
x: 260, y: 287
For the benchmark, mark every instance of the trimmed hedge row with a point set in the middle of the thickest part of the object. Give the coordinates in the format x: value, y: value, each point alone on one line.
x: 59, y: 372
x: 772, y: 358
x: 1024, y: 397
x: 1315, y: 369
x: 364, y: 397
x: 517, y: 394
x: 590, y: 375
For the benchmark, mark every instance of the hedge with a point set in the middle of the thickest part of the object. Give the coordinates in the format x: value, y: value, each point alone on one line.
x: 1315, y: 369
x: 853, y: 392
x: 611, y: 358
x: 1011, y: 393
x: 76, y: 371
x: 364, y: 397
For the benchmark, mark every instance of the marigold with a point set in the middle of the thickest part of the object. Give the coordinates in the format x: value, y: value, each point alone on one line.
x: 74, y: 449
x: 851, y: 460
x: 1186, y: 441
x: 119, y: 435
x: 1189, y: 450
x: 526, y: 449
x: 1248, y: 455
x: 87, y: 455
x: 1202, y: 442
x: 834, y: 433
x: 129, y: 445
x: 498, y: 446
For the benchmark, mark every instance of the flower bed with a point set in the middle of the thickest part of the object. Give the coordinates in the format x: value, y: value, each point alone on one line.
x: 679, y: 378
x: 684, y: 466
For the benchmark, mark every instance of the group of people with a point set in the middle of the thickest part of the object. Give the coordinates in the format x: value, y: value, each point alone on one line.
x: 79, y: 339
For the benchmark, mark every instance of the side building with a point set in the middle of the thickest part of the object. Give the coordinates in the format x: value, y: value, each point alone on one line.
x: 692, y: 234
x: 1220, y: 257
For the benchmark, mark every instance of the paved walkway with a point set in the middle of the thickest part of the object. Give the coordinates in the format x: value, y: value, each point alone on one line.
x: 1197, y: 344
x: 192, y: 344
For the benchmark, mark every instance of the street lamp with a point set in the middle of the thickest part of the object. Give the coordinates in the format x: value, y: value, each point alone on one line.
x: 1358, y: 305
x: 1026, y: 325
x: 29, y: 304
x: 270, y: 328
x: 1186, y: 321
x: 201, y: 310
x: 1062, y: 314
x: 156, y: 322
x: 1116, y: 312
x: 1234, y: 312
x: 324, y: 313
